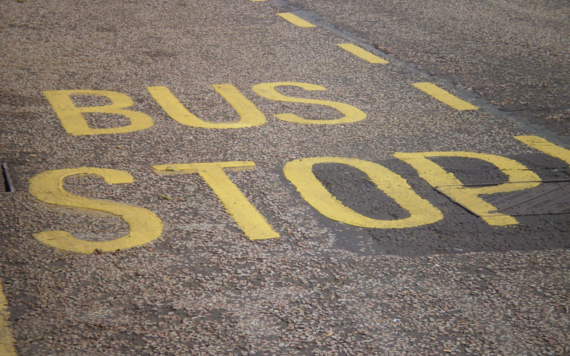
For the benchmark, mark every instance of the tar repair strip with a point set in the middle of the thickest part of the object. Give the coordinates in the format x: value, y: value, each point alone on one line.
x: 8, y: 186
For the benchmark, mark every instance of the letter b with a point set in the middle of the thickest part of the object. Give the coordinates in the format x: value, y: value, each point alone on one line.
x: 74, y: 123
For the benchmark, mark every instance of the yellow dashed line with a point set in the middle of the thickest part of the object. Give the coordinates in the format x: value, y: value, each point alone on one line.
x: 295, y: 20
x: 540, y: 144
x: 257, y: 0
x: 6, y: 338
x: 361, y: 53
x: 444, y: 96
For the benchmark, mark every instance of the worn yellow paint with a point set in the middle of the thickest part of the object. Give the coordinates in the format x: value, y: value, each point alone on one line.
x: 295, y: 20
x: 362, y: 54
x: 6, y: 337
x: 74, y: 123
x: 252, y: 223
x: 300, y: 173
x: 248, y: 112
x: 267, y: 90
x: 447, y: 183
x: 48, y: 187
x: 540, y: 144
x: 444, y: 96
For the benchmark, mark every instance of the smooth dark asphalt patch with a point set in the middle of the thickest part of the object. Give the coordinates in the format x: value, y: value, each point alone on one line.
x: 6, y: 178
x: 551, y: 197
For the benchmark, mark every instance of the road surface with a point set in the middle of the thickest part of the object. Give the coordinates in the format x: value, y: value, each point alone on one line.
x: 299, y: 177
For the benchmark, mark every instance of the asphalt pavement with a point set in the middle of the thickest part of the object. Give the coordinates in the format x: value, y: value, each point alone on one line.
x: 512, y: 53
x: 241, y: 177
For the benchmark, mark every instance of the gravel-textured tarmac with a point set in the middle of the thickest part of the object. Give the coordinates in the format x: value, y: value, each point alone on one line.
x: 456, y: 287
x: 513, y: 53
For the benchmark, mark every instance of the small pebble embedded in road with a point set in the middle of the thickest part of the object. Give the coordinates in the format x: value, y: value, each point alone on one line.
x: 254, y: 177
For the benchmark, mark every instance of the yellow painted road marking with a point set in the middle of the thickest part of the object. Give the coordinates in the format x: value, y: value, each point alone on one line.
x: 444, y: 96
x: 48, y: 187
x: 74, y: 123
x: 300, y: 173
x: 295, y: 20
x: 469, y: 196
x: 6, y: 338
x: 244, y: 213
x: 257, y: 0
x: 540, y: 144
x: 248, y: 112
x: 267, y: 90
x: 361, y: 53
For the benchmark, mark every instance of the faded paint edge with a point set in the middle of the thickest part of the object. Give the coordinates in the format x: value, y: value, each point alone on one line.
x: 295, y: 20
x: 6, y: 337
x: 362, y: 53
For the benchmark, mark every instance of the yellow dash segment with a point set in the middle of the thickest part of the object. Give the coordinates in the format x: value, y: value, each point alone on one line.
x: 362, y: 54
x: 6, y: 339
x: 295, y: 20
x: 444, y: 96
x: 257, y: 0
x: 540, y: 144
